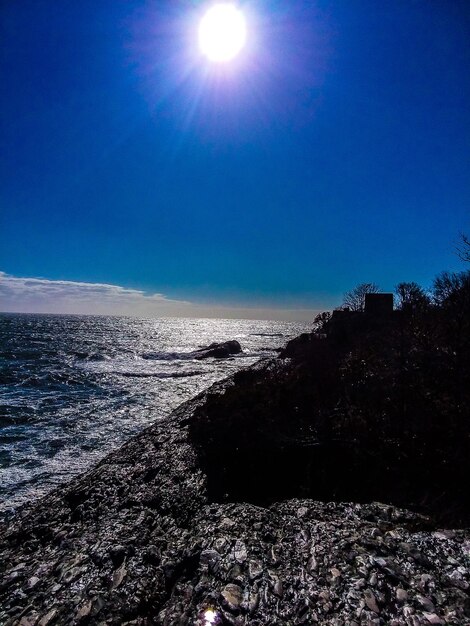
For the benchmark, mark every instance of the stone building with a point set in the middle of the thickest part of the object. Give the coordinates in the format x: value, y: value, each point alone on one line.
x: 378, y: 304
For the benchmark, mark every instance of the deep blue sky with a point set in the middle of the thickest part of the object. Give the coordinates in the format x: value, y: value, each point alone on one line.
x: 336, y: 150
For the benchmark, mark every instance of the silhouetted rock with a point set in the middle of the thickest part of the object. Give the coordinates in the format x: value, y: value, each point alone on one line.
x: 218, y: 350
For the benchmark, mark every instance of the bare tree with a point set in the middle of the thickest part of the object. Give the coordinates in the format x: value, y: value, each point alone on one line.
x: 321, y: 321
x: 451, y: 288
x: 463, y: 249
x: 356, y: 298
x: 410, y: 296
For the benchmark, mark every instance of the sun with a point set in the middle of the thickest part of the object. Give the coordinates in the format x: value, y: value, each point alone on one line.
x: 222, y: 32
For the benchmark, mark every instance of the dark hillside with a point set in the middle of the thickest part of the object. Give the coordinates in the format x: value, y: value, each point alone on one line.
x: 364, y: 409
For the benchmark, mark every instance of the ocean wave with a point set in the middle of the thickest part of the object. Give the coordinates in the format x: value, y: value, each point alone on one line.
x: 159, y: 374
x: 9, y: 378
x: 164, y: 356
x: 91, y: 356
x: 54, y: 380
x: 27, y: 355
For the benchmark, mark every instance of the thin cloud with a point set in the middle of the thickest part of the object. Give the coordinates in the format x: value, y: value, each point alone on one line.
x: 41, y: 295
x: 60, y: 296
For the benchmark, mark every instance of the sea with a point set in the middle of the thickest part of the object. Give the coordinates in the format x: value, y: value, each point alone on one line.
x: 74, y: 387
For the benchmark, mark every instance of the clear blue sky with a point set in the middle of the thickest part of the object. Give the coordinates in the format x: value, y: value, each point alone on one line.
x: 335, y: 150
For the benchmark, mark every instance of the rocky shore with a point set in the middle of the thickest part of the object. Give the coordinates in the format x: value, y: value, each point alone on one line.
x: 171, y: 529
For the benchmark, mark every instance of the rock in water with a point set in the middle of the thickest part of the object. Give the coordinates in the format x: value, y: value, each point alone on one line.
x: 219, y: 350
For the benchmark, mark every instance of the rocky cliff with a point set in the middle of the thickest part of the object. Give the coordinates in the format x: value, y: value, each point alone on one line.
x: 214, y: 517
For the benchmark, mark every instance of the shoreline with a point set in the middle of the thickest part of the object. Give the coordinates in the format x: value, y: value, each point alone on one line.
x: 74, y: 390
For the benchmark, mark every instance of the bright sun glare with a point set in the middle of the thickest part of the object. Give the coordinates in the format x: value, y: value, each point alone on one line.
x: 210, y: 617
x: 222, y: 32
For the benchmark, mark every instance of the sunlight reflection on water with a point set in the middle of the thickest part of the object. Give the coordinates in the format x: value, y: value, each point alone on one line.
x: 76, y: 387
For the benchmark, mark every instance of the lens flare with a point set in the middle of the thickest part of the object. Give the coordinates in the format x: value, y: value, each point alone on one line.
x: 222, y: 33
x: 210, y: 617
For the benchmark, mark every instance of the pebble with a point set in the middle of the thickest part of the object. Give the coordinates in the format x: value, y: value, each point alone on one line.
x: 278, y: 589
x: 426, y: 604
x: 370, y: 600
x: 29, y: 620
x: 48, y: 618
x: 276, y: 555
x: 71, y: 574
x: 84, y: 610
x: 312, y: 564
x: 240, y: 551
x: 220, y: 545
x: 232, y: 597
x: 236, y: 573
x: 209, y: 557
x: 253, y: 603
x: 152, y: 554
x: 227, y: 523
x: 402, y: 595
x: 118, y: 577
x: 255, y: 569
x: 432, y: 618
x: 324, y: 595
x: 457, y: 580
